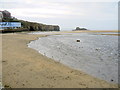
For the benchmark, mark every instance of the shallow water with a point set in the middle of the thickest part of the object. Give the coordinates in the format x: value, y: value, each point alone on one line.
x: 96, y: 55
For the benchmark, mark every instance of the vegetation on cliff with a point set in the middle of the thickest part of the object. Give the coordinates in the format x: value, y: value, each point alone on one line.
x: 33, y: 26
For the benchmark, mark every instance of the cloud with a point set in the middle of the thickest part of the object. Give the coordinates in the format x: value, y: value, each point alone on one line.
x: 64, y: 12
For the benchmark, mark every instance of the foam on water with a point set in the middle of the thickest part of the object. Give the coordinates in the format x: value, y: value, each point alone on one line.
x: 96, y: 55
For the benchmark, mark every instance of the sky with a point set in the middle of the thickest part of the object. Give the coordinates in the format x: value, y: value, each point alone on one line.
x: 68, y: 14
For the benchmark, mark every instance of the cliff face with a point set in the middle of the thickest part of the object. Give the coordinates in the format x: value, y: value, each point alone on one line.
x: 31, y: 26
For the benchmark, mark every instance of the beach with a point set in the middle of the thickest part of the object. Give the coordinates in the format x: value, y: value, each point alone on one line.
x: 0, y: 60
x: 95, y: 54
x: 23, y: 67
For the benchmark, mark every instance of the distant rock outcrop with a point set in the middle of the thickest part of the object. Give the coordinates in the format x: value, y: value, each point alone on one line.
x: 78, y: 28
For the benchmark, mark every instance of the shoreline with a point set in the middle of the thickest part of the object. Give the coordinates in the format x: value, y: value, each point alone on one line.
x: 64, y: 49
x: 29, y: 69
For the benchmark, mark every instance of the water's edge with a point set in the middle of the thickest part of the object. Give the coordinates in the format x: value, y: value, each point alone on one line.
x: 84, y: 56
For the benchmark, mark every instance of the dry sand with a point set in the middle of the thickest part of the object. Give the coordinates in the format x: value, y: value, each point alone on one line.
x: 0, y: 60
x: 26, y: 68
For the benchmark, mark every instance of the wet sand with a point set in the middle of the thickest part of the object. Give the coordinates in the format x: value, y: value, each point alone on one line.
x: 89, y: 55
x: 26, y: 68
x: 110, y: 34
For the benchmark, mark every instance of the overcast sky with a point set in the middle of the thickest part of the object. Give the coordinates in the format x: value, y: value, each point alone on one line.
x: 68, y: 14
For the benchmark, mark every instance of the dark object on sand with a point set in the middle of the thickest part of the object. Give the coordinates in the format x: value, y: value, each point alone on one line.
x: 112, y: 80
x: 77, y: 40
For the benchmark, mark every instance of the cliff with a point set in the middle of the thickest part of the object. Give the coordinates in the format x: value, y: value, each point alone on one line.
x: 32, y: 26
x: 26, y: 25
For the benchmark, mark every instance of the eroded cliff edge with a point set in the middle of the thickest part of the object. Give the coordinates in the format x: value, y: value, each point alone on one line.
x: 32, y: 26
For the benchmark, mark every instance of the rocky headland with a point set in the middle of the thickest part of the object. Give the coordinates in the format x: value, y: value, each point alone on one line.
x: 25, y: 25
